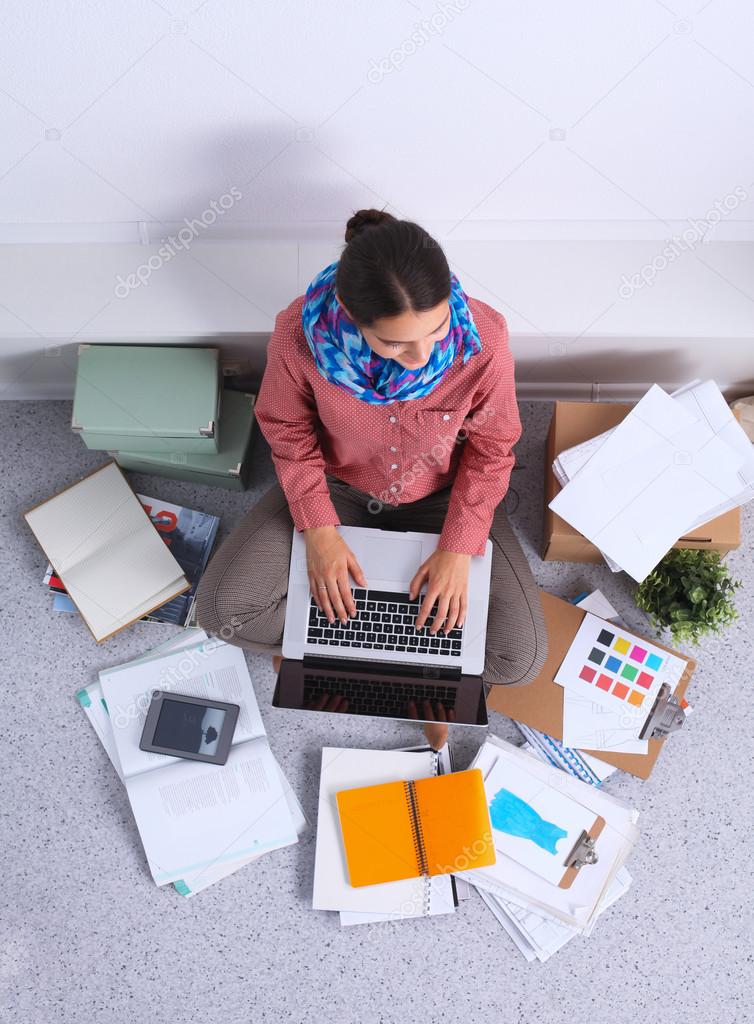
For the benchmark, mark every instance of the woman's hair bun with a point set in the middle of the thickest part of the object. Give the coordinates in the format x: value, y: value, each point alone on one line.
x: 363, y: 219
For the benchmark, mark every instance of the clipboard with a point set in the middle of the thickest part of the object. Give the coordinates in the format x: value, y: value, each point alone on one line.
x: 540, y: 702
x: 583, y: 853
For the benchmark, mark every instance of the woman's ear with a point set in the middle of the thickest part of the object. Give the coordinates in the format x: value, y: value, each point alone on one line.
x: 343, y: 306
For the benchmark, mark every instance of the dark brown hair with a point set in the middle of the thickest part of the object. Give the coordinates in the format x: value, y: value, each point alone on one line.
x: 389, y: 267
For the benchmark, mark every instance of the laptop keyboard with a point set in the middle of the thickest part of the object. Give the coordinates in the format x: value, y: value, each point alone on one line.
x: 384, y: 622
x: 367, y: 697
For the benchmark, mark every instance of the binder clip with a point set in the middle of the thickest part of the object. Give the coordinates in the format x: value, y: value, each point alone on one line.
x: 666, y: 716
x: 584, y: 852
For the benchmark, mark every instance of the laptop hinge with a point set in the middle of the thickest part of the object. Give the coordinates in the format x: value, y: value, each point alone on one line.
x: 385, y: 668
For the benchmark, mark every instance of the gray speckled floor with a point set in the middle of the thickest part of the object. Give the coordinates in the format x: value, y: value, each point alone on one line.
x: 87, y: 937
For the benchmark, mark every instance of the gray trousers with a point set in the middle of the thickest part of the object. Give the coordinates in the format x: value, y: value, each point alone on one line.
x: 242, y: 595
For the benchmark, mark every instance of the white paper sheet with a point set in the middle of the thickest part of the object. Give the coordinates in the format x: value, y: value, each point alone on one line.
x: 658, y: 469
x: 538, y: 936
x: 533, y: 824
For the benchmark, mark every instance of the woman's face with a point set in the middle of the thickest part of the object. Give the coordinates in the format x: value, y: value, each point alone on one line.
x: 410, y: 337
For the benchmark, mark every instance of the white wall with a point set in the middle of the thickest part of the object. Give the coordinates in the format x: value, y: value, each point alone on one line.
x: 552, y: 148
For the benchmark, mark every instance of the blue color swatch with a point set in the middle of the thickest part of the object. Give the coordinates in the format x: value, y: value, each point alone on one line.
x: 612, y: 664
x: 509, y: 813
x: 653, y: 661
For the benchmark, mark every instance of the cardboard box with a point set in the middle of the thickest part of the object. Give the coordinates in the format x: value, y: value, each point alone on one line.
x: 574, y: 422
x: 540, y: 703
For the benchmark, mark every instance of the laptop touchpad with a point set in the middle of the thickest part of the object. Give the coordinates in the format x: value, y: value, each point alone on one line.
x: 392, y: 559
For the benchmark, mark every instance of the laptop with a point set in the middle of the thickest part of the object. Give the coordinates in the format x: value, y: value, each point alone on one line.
x: 377, y: 664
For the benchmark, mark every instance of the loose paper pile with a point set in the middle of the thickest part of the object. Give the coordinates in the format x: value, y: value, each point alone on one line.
x: 675, y: 462
x: 198, y: 822
x: 538, y: 914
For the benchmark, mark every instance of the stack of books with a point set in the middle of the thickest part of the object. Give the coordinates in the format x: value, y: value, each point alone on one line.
x: 189, y: 535
x: 161, y: 410
x: 198, y: 822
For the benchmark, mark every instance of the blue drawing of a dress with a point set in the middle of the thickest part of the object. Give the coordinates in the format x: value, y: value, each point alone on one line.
x: 509, y: 813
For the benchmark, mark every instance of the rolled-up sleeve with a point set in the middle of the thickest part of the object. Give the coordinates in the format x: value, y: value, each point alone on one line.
x: 287, y: 416
x: 493, y: 427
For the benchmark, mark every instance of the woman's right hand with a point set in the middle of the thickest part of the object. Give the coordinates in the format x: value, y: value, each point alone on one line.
x: 329, y: 561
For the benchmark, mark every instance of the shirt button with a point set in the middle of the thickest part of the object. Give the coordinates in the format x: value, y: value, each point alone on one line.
x: 394, y: 465
x: 446, y: 416
x: 393, y: 489
x: 392, y: 419
x: 393, y: 448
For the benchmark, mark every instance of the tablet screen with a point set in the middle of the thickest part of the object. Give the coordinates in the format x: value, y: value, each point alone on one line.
x: 190, y: 727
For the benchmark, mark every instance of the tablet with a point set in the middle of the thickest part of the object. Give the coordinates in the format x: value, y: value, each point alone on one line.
x: 190, y: 727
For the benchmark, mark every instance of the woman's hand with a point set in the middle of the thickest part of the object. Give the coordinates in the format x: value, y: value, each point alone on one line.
x: 447, y: 577
x: 328, y: 562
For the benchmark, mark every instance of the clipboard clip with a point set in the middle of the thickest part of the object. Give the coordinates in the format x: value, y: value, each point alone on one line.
x: 583, y: 853
x: 666, y: 716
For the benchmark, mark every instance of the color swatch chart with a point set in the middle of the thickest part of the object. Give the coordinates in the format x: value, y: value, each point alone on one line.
x: 617, y: 668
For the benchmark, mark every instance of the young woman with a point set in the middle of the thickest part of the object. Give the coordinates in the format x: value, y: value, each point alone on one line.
x: 388, y: 401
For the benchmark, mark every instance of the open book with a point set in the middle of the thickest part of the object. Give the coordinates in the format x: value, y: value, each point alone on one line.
x: 102, y: 545
x: 95, y: 708
x: 196, y: 817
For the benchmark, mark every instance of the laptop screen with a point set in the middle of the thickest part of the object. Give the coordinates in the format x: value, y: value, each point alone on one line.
x: 373, y: 693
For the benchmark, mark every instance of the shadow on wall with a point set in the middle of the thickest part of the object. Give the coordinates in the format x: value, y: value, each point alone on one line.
x: 592, y: 360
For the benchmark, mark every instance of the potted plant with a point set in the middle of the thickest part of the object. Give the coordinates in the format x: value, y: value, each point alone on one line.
x: 690, y: 593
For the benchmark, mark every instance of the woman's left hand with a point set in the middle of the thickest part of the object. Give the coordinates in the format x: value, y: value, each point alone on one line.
x: 447, y: 576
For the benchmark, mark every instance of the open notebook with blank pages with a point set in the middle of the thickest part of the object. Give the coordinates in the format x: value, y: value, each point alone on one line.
x: 343, y: 768
x: 112, y: 561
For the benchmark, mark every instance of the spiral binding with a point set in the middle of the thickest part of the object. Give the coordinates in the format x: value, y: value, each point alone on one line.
x: 417, y: 836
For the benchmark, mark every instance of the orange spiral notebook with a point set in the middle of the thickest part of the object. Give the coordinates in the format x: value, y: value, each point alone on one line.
x: 434, y: 826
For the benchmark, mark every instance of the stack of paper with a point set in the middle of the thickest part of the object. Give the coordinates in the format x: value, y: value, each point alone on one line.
x: 199, y: 822
x: 345, y: 768
x: 522, y: 888
x: 675, y: 462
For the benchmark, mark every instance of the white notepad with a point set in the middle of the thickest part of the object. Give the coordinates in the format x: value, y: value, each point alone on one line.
x: 112, y: 561
x: 344, y: 768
